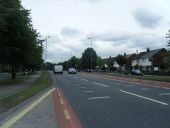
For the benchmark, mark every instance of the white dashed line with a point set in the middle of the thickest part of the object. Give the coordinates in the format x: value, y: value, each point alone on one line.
x: 129, y: 85
x: 104, y: 97
x: 144, y: 97
x: 165, y: 88
x: 81, y: 87
x: 84, y: 79
x: 164, y: 94
x: 88, y: 91
x: 103, y: 85
x: 144, y: 89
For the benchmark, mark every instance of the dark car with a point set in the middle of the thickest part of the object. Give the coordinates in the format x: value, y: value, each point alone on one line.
x: 72, y: 71
x: 137, y: 72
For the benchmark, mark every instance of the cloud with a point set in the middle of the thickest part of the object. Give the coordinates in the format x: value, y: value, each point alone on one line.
x: 70, y: 32
x: 146, y: 18
x: 106, y: 44
x: 91, y: 1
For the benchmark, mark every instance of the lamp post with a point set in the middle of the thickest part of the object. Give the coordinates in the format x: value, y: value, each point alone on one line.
x: 46, y: 49
x: 91, y: 40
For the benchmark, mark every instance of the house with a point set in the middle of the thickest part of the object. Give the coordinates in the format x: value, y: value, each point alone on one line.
x: 149, y: 60
x: 129, y: 58
x: 136, y: 60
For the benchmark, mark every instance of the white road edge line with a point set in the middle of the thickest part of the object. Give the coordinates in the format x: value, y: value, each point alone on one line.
x: 103, y: 85
x: 104, y: 97
x: 18, y: 116
x: 88, y: 91
x: 144, y: 97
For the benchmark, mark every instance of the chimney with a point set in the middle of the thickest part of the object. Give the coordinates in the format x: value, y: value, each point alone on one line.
x: 148, y: 50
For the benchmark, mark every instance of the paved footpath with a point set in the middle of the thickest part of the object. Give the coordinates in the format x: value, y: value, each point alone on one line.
x: 50, y: 110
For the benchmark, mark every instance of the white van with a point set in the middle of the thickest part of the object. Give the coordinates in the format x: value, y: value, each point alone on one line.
x: 58, y: 69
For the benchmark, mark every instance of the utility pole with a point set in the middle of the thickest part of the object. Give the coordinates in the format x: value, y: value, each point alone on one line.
x: 46, y: 49
x: 91, y: 40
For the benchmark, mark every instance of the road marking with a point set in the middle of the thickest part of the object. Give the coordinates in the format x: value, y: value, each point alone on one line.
x: 104, y: 97
x: 113, y: 79
x: 18, y: 116
x: 66, y: 115
x: 61, y: 101
x: 128, y: 85
x: 166, y: 88
x: 88, y: 91
x: 81, y: 87
x: 144, y: 97
x: 144, y: 89
x: 77, y: 77
x: 103, y: 85
x: 163, y: 94
x: 84, y: 79
x: 59, y: 94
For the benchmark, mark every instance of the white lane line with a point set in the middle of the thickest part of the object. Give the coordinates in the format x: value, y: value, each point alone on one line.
x: 88, y: 91
x: 144, y: 97
x: 84, y: 79
x: 81, y: 87
x: 104, y: 97
x: 129, y: 85
x: 144, y: 89
x: 103, y: 85
x: 166, y: 88
x: 164, y: 94
x: 77, y: 77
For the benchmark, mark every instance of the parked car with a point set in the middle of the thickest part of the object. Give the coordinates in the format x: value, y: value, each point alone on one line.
x: 137, y: 72
x: 72, y: 71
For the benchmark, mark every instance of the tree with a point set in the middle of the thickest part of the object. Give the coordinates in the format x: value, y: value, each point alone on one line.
x: 99, y: 61
x: 121, y: 60
x: 166, y: 58
x: 168, y: 38
x: 86, y: 58
x: 20, y: 46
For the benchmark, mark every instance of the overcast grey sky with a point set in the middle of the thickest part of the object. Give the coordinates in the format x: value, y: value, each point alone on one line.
x: 116, y: 26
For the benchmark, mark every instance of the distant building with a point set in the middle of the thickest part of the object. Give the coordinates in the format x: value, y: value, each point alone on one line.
x: 149, y: 60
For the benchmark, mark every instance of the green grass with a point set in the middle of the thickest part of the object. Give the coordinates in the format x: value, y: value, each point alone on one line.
x: 145, y: 77
x: 18, y: 79
x: 43, y: 82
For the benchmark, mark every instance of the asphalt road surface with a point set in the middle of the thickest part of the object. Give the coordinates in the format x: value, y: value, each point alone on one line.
x: 106, y: 103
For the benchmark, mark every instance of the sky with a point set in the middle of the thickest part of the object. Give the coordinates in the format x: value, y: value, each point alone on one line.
x: 115, y: 26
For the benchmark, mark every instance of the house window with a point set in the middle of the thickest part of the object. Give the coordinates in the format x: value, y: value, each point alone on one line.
x: 150, y: 60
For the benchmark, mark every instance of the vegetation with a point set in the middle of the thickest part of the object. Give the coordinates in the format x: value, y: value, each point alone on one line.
x: 9, y: 82
x: 86, y: 58
x: 43, y: 82
x: 121, y: 60
x: 20, y: 46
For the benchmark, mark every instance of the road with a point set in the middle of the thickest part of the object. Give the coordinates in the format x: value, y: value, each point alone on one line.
x: 106, y: 103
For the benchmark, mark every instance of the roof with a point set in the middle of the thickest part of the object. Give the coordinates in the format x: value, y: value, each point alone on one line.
x: 151, y: 53
x: 129, y: 55
x: 138, y: 56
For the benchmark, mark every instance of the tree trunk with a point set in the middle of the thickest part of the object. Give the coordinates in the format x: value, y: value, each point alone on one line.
x: 13, y: 72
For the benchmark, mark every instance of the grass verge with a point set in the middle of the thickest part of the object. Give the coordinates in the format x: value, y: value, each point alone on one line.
x: 18, y: 79
x: 43, y: 82
x: 145, y: 77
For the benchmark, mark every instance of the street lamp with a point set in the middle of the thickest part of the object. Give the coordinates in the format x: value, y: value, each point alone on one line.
x: 91, y: 40
x: 46, y: 48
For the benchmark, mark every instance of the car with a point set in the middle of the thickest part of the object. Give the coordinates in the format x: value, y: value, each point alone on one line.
x: 137, y: 72
x: 72, y: 71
